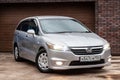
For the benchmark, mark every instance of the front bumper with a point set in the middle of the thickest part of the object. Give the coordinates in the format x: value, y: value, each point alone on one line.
x: 68, y: 57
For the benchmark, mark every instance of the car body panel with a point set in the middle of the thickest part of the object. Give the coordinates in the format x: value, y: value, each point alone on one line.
x: 78, y: 39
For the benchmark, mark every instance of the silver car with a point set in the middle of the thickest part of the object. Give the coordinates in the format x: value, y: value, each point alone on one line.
x: 59, y: 43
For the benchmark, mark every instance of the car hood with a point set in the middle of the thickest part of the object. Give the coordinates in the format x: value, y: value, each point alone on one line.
x: 75, y: 39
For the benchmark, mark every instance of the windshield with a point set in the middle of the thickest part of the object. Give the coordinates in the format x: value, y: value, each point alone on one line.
x: 62, y: 26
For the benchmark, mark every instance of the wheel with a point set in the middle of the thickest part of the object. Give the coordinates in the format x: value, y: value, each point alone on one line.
x: 42, y: 61
x: 16, y: 54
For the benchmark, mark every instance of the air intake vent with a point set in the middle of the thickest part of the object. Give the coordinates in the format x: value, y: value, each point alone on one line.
x: 78, y: 63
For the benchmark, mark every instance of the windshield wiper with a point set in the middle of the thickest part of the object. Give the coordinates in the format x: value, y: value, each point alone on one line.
x: 74, y: 32
x: 85, y: 32
x: 65, y: 32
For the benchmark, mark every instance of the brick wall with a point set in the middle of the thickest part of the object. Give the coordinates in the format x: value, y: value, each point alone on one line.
x: 108, y: 22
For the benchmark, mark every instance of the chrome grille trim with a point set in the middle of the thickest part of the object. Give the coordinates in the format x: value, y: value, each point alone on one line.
x: 83, y: 50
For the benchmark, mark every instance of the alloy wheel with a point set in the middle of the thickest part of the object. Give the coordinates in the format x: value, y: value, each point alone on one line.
x: 43, y: 61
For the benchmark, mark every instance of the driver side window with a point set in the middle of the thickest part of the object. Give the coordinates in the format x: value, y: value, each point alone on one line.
x: 32, y: 25
x: 28, y: 24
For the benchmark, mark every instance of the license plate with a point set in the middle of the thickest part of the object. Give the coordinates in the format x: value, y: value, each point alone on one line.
x: 89, y: 58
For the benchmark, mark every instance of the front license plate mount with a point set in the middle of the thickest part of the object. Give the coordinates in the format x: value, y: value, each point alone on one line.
x: 89, y: 58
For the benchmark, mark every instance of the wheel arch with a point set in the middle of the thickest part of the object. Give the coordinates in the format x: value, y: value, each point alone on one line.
x: 41, y: 47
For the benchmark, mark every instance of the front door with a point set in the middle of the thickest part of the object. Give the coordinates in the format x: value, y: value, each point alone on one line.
x: 31, y: 40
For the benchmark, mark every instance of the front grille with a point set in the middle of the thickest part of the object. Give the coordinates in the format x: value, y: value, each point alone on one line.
x: 78, y: 63
x: 83, y: 51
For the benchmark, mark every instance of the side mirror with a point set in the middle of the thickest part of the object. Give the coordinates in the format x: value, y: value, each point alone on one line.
x: 31, y: 31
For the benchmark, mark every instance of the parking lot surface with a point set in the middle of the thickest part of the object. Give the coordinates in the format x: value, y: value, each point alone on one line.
x: 26, y: 70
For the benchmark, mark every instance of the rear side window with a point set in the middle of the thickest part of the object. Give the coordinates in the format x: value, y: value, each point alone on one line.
x: 19, y: 27
x: 23, y: 26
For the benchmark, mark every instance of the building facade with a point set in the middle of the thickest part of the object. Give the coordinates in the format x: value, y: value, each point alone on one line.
x: 101, y: 16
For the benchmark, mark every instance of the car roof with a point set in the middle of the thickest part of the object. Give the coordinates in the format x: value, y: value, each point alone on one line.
x: 53, y: 17
x: 49, y: 17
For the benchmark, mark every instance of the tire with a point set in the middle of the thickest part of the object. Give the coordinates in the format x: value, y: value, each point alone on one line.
x: 16, y: 54
x: 42, y: 61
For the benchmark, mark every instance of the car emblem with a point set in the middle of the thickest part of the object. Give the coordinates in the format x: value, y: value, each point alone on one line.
x: 89, y: 50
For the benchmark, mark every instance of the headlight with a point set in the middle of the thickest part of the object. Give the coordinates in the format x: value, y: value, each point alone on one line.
x: 107, y: 46
x: 58, y: 47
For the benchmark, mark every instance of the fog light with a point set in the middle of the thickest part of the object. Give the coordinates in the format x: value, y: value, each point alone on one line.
x: 59, y: 63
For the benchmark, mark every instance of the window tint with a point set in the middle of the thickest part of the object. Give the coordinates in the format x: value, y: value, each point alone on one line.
x: 28, y: 24
x: 25, y: 26
x: 32, y: 25
x: 19, y: 27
